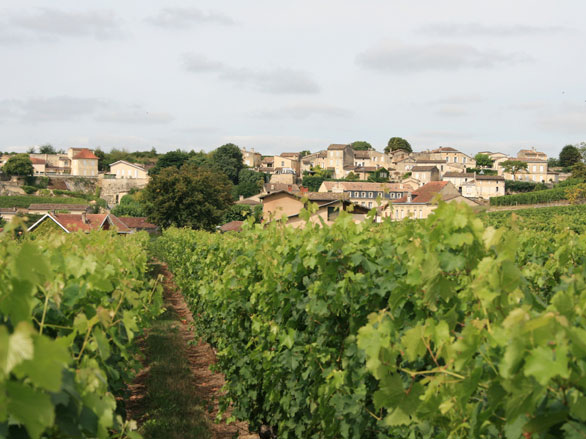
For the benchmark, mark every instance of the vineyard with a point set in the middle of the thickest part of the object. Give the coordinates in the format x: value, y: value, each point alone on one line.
x: 439, y: 328
x: 70, y: 308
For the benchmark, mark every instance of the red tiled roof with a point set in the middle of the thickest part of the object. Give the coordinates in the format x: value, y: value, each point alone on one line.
x: 137, y: 222
x: 121, y: 226
x: 232, y: 226
x: 425, y: 193
x: 36, y: 161
x: 85, y: 154
x: 366, y: 169
x: 74, y: 222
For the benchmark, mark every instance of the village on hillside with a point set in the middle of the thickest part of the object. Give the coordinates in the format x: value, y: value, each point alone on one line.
x: 397, y: 183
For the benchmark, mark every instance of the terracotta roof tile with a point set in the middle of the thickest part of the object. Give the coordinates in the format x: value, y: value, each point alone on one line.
x: 137, y: 222
x: 426, y: 193
x: 232, y: 226
x: 85, y: 154
x: 36, y: 161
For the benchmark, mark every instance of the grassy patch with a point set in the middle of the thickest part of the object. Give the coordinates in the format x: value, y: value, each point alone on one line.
x: 27, y: 200
x: 172, y: 408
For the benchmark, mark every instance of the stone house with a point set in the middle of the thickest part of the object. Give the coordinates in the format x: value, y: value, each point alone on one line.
x: 367, y: 194
x: 422, y: 202
x: 340, y: 159
x: 124, y: 169
x: 279, y: 204
x: 425, y: 174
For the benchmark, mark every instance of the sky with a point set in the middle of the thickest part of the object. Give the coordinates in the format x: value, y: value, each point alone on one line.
x: 288, y: 76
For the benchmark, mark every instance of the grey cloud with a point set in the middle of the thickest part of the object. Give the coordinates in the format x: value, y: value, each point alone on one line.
x: 197, y: 63
x: 399, y: 57
x: 184, y: 18
x: 569, y: 118
x: 483, y: 30
x: 275, y: 81
x: 305, y: 110
x: 67, y: 108
x: 56, y: 108
x: 46, y: 23
x: 137, y: 116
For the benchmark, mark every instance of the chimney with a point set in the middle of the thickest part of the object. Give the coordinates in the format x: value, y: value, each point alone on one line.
x: 84, y: 217
x: 304, y: 190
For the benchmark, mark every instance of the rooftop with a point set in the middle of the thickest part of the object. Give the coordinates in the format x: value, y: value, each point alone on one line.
x: 85, y: 154
x: 337, y: 147
x: 426, y: 193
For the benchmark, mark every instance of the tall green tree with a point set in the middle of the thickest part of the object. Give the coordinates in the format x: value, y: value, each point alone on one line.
x: 192, y: 196
x: 513, y: 166
x: 19, y: 164
x: 172, y: 159
x: 483, y: 160
x: 47, y: 149
x: 569, y: 156
x: 396, y: 143
x: 361, y: 145
x: 228, y: 159
x: 249, y: 183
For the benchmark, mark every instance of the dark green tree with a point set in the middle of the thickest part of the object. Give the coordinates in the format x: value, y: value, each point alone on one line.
x: 396, y: 143
x: 228, y: 159
x: 361, y: 145
x: 172, y: 159
x: 351, y: 176
x: 19, y: 164
x: 31, y: 150
x: 553, y: 162
x: 304, y: 153
x: 249, y: 183
x: 47, y: 149
x: 569, y: 156
x: 483, y: 161
x: 192, y: 196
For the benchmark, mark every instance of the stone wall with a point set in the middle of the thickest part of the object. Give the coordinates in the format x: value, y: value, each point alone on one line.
x: 114, y: 189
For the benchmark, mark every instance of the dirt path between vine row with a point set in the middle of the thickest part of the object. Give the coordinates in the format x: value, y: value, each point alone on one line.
x: 200, y: 356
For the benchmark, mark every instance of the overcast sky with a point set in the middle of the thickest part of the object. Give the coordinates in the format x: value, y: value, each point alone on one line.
x: 286, y: 76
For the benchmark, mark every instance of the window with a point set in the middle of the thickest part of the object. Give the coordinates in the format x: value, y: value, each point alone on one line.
x: 540, y: 168
x: 370, y: 195
x: 363, y: 194
x: 332, y: 213
x: 455, y: 159
x: 392, y: 195
x: 463, y: 159
x: 370, y: 204
x: 355, y: 194
x: 534, y: 168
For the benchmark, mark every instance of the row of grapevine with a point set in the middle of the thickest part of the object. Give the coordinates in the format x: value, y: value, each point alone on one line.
x: 441, y: 328
x: 536, y: 197
x: 553, y: 219
x: 70, y: 306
